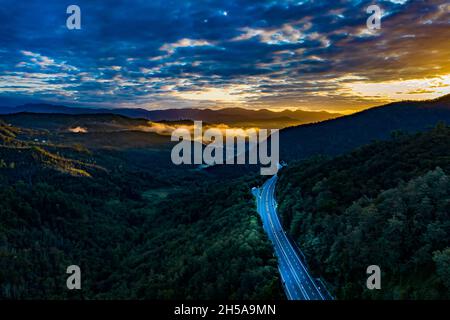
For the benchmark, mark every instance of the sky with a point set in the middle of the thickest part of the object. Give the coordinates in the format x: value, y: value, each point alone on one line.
x: 275, y: 54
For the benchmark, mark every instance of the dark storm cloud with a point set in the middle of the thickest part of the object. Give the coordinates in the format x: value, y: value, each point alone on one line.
x: 136, y: 52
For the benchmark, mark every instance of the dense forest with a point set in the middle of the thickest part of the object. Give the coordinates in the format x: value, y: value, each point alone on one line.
x: 141, y: 228
x: 385, y: 204
x: 138, y: 229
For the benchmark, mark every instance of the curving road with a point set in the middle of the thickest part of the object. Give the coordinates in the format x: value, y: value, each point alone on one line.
x: 297, y: 282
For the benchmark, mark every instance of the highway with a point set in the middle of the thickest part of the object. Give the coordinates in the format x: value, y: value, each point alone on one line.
x: 297, y: 282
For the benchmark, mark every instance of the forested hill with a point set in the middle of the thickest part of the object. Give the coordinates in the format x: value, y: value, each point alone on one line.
x: 333, y: 137
x: 137, y: 227
x: 385, y: 204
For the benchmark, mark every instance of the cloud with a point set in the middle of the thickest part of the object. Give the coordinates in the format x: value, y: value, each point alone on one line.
x: 167, y: 128
x: 78, y: 130
x: 231, y: 94
x: 43, y: 62
x: 277, y: 54
x: 412, y: 89
x: 183, y: 43
x: 287, y: 34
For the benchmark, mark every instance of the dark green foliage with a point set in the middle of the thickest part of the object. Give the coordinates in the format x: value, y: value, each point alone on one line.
x: 386, y: 204
x: 204, y: 242
x: 442, y: 260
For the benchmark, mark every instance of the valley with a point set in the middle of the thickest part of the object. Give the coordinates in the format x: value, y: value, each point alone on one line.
x: 111, y: 201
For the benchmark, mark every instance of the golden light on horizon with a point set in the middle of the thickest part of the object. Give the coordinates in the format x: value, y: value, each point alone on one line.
x: 396, y: 90
x: 231, y: 94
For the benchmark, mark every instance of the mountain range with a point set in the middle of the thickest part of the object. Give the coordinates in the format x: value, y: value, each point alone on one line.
x: 330, y: 137
x: 230, y: 116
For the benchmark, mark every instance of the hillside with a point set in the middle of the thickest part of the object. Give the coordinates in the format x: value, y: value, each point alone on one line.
x: 24, y: 158
x: 338, y: 136
x: 343, y: 134
x: 386, y: 204
x: 63, y: 122
x: 139, y: 227
x: 97, y: 131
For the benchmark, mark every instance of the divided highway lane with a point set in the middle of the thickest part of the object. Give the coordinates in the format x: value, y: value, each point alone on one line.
x: 297, y: 282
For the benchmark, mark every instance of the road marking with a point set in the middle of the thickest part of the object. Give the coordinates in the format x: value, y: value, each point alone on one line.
x: 280, y: 244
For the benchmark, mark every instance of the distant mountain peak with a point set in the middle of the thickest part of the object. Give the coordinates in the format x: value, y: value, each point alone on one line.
x: 230, y: 116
